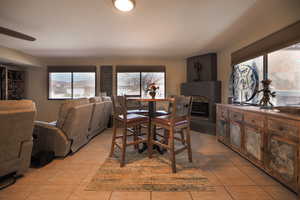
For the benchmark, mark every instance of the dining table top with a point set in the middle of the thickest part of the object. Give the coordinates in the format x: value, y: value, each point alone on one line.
x: 152, y: 100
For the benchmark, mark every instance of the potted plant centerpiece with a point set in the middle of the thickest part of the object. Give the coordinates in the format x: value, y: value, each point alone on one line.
x: 152, y: 89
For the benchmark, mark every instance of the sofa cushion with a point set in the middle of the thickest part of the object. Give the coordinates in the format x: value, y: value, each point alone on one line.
x: 106, y: 98
x: 65, y: 107
x: 95, y: 99
x: 10, y: 105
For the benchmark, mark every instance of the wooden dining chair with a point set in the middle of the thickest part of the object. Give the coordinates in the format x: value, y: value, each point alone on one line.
x: 130, y: 124
x: 176, y: 122
x: 135, y: 107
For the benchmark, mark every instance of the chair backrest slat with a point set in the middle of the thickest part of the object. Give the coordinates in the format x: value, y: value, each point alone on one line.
x: 119, y: 106
x: 181, y: 107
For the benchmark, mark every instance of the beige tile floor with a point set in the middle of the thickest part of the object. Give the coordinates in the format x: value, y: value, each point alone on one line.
x: 65, y: 179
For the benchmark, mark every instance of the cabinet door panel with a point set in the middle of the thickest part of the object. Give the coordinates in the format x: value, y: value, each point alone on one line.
x: 253, y: 144
x: 283, y: 159
x: 222, y: 131
x: 236, y: 135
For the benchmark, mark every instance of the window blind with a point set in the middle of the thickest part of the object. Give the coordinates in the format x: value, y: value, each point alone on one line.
x: 275, y: 41
x: 72, y: 68
x: 136, y: 68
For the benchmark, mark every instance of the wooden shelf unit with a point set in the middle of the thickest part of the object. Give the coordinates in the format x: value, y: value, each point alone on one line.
x: 12, y: 83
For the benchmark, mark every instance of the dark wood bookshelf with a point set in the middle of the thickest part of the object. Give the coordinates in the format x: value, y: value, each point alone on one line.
x: 12, y: 84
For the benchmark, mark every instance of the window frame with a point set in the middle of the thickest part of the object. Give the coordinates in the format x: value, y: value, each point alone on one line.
x: 140, y: 95
x: 126, y: 94
x: 72, y: 82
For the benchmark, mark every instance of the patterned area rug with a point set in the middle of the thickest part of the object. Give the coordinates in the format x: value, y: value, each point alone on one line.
x: 143, y: 174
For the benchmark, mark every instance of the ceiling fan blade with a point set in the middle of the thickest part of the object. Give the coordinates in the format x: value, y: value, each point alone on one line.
x: 16, y: 34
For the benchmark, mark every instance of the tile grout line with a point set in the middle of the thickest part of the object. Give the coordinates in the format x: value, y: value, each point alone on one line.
x: 191, y: 196
x: 268, y: 193
x: 110, y: 195
x: 228, y: 192
x: 220, y: 181
x: 73, y: 191
x: 259, y: 186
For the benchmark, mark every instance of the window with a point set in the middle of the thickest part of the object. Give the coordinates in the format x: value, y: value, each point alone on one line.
x: 282, y: 67
x: 129, y: 83
x: 136, y: 83
x: 71, y: 85
x: 60, y: 85
x: 153, y: 77
x: 284, y: 71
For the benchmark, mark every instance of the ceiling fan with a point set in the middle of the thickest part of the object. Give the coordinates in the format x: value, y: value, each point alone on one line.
x: 15, y: 34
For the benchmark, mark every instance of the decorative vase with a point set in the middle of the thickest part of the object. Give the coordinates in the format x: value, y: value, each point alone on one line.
x: 152, y: 94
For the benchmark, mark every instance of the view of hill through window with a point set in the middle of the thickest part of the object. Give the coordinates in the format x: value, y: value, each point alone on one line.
x: 68, y: 85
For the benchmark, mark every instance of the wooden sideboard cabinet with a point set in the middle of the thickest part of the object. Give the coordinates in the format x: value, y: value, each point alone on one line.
x: 267, y: 138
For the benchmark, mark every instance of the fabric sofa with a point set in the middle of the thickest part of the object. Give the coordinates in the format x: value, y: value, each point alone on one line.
x: 98, y: 118
x: 68, y: 133
x: 101, y: 114
x: 78, y: 121
x: 16, y: 127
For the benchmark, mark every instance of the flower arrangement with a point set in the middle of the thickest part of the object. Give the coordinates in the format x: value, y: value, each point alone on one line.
x: 152, y: 88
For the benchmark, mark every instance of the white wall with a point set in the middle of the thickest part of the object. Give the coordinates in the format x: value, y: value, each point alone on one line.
x: 276, y: 15
x: 48, y: 109
x: 8, y: 55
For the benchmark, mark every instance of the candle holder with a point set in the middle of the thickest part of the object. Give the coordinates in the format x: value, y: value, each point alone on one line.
x: 265, y: 102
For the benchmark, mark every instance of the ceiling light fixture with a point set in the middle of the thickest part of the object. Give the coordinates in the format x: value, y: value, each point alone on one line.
x: 124, y: 5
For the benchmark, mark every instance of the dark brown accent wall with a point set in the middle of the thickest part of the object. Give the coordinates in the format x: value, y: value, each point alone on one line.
x: 106, y: 79
x: 208, y: 68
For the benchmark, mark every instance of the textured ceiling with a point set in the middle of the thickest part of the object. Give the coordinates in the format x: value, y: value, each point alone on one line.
x: 93, y: 28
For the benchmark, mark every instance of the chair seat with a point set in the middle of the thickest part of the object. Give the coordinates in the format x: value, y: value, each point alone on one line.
x: 134, y: 118
x: 166, y: 120
x: 162, y: 112
x: 54, y: 123
x: 138, y: 111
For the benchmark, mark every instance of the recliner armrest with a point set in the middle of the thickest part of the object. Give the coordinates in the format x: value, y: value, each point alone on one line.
x: 50, y: 138
x: 44, y: 124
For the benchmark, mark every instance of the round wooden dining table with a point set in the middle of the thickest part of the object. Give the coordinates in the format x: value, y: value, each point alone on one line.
x: 152, y: 113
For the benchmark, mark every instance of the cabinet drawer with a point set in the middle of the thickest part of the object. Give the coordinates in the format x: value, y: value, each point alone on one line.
x: 236, y: 116
x: 222, y: 113
x: 254, y: 119
x: 285, y: 128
